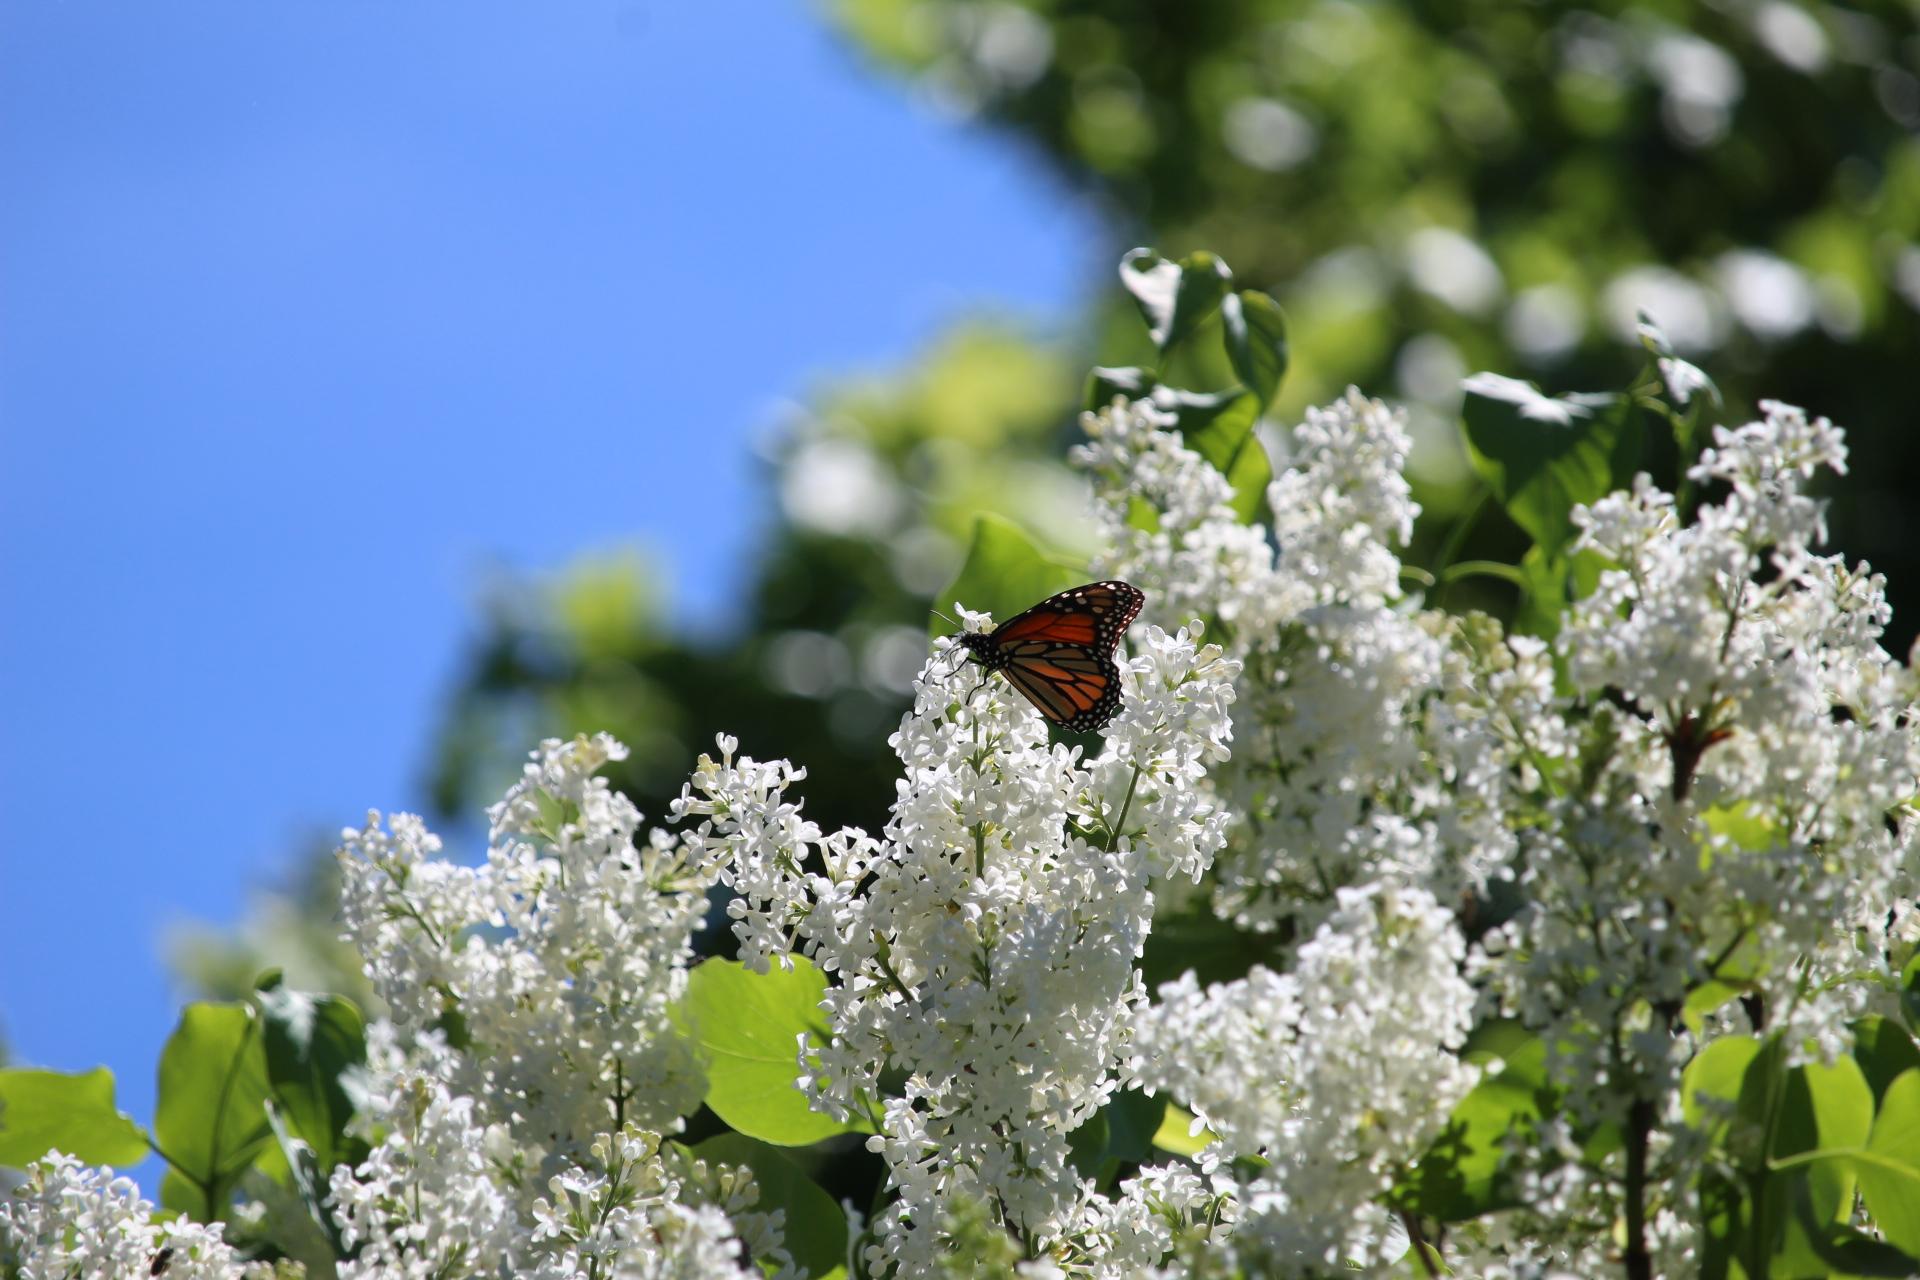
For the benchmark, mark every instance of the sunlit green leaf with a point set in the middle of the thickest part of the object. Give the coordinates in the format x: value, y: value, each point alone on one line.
x: 312, y: 1042
x: 1825, y: 1108
x: 1716, y: 1072
x: 1889, y: 1170
x: 1005, y: 572
x: 1256, y: 337
x: 210, y: 1120
x: 1177, y: 1135
x: 1742, y: 824
x: 1543, y: 456
x: 1459, y: 1176
x: 51, y: 1110
x: 1174, y: 297
x: 747, y: 1027
x: 1705, y: 999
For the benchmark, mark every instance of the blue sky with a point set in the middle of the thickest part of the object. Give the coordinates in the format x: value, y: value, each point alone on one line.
x: 313, y: 311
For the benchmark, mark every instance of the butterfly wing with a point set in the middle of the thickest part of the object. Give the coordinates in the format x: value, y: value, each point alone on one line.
x: 1071, y: 685
x: 1060, y: 652
x: 1095, y: 615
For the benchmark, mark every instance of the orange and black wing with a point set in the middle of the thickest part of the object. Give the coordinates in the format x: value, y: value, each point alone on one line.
x: 1060, y: 652
x: 1076, y: 687
x: 1095, y: 615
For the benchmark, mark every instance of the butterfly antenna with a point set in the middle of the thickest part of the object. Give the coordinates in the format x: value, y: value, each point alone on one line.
x: 955, y: 623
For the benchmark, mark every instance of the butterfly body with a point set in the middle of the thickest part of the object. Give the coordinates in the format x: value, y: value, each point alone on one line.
x: 1059, y: 653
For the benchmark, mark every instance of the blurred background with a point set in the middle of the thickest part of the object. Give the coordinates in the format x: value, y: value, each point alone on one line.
x: 384, y: 388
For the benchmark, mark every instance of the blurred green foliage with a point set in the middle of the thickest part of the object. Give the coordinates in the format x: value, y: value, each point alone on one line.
x: 1436, y: 188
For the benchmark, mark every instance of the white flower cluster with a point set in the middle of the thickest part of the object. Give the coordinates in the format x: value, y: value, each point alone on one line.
x: 556, y: 960
x: 1706, y: 777
x: 530, y: 1049
x: 1197, y: 559
x: 1357, y: 1070
x: 441, y: 1197
x: 1371, y: 743
x: 1756, y: 758
x: 985, y: 944
x: 68, y: 1220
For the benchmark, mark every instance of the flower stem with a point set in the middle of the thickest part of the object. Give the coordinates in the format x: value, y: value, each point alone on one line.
x: 1113, y: 832
x: 881, y: 954
x: 1421, y: 1249
x: 1639, y: 1130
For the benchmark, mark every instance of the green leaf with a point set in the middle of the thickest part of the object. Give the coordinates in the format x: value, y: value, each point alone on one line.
x: 1004, y: 573
x: 1705, y: 999
x: 1459, y: 1176
x: 1548, y: 583
x: 1174, y: 297
x: 1542, y: 456
x: 1884, y: 1049
x: 816, y: 1228
x: 1132, y: 1120
x: 1176, y: 1134
x: 1825, y: 1246
x: 1910, y: 993
x: 1104, y: 384
x: 52, y: 1110
x: 1122, y: 1132
x: 747, y: 1027
x: 1825, y: 1109
x: 305, y: 1176
x: 1219, y: 427
x: 1681, y: 376
x: 211, y: 1121
x: 1495, y: 1040
x: 1717, y: 1072
x: 1256, y: 337
x: 1742, y: 824
x: 1889, y: 1170
x: 312, y: 1042
x: 1198, y: 939
x: 178, y: 1194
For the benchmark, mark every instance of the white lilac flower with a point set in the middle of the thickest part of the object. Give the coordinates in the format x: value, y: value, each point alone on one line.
x: 426, y: 1202
x: 1741, y: 814
x: 1708, y: 776
x: 530, y: 1046
x: 68, y: 1220
x: 1198, y: 560
x: 985, y: 943
x: 1337, y: 1073
x: 558, y: 957
x: 1344, y: 505
x: 1369, y: 746
x: 445, y: 1195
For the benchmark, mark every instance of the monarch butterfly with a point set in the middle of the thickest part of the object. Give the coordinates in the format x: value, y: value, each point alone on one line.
x: 1059, y: 653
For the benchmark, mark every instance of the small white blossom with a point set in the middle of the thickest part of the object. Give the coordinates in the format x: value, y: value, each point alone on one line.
x: 1337, y: 1073
x: 69, y: 1220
